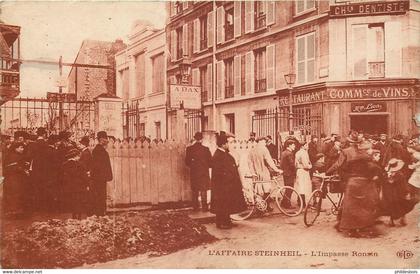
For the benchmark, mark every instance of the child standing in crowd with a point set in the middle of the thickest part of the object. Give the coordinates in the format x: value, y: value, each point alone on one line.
x: 75, y: 183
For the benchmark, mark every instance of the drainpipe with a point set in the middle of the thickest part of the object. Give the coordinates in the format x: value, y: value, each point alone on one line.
x: 213, y: 91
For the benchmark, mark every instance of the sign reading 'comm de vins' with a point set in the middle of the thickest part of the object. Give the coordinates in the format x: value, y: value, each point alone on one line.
x: 370, y: 8
x: 187, y: 95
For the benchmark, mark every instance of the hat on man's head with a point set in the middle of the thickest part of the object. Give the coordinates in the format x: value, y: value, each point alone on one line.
x: 102, y: 135
x: 354, y: 137
x: 198, y: 136
x: 288, y: 142
x: 41, y: 131
x: 52, y: 139
x: 85, y: 140
x: 20, y: 133
x: 398, y: 137
x: 72, y: 153
x: 64, y: 135
x: 394, y: 165
x: 221, y: 138
x: 319, y: 156
x: 269, y: 137
x: 261, y: 139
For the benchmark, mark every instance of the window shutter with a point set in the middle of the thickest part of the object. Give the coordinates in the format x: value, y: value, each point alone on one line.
x: 393, y: 54
x: 173, y: 45
x: 184, y: 5
x: 249, y: 72
x: 209, y: 81
x: 249, y: 16
x: 185, y: 40
x: 237, y: 18
x: 310, y: 58
x: 271, y: 18
x: 210, y: 29
x: 220, y: 84
x: 360, y: 51
x: 301, y: 59
x: 237, y: 75
x: 195, y: 77
x: 271, y: 51
x: 220, y: 35
x: 196, y: 36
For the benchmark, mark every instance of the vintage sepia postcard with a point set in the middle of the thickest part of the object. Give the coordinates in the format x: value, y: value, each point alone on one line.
x: 210, y: 134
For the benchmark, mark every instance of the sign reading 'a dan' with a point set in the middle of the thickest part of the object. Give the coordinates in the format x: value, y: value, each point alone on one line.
x: 185, y: 95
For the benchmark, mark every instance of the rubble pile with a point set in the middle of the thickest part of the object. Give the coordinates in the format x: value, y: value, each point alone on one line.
x: 71, y: 243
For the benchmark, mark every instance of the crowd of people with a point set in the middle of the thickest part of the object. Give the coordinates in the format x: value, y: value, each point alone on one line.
x: 378, y: 176
x: 54, y: 173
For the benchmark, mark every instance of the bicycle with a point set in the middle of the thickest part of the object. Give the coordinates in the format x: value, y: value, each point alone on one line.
x: 257, y: 203
x: 329, y: 184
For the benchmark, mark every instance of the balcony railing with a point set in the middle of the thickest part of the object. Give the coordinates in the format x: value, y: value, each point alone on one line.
x: 260, y: 85
x: 376, y: 69
x: 228, y: 32
x: 9, y: 79
x: 229, y: 92
x: 203, y: 44
x: 260, y: 21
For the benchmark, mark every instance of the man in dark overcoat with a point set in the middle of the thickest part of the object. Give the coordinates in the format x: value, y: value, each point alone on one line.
x: 101, y: 173
x: 39, y: 156
x: 287, y: 164
x: 86, y: 163
x: 226, y: 189
x: 272, y: 148
x: 198, y: 159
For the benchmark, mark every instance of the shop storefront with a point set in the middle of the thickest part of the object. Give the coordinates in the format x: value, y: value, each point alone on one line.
x: 371, y: 106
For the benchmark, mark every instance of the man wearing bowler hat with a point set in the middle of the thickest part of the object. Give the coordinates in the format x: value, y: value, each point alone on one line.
x: 198, y: 158
x: 101, y: 173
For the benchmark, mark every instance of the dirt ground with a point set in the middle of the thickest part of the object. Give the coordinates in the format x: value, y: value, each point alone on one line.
x: 278, y: 241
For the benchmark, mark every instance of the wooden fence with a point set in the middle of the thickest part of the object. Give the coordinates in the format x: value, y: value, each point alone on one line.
x: 148, y: 173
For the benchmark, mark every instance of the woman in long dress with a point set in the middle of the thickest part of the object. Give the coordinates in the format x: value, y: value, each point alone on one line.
x: 303, y: 166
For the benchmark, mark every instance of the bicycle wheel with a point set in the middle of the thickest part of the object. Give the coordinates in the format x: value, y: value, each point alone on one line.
x: 246, y: 213
x: 289, y: 201
x: 313, y: 207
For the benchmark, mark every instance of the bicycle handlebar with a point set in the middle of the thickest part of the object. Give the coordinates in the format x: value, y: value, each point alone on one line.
x: 325, y: 177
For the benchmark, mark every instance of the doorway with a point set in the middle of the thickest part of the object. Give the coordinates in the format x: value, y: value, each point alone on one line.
x: 370, y: 123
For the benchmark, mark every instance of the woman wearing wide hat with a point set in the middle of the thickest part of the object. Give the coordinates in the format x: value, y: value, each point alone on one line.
x: 394, y: 201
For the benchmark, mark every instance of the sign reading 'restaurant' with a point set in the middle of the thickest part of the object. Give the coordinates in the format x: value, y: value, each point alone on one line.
x: 186, y: 95
x: 350, y: 93
x: 371, y: 8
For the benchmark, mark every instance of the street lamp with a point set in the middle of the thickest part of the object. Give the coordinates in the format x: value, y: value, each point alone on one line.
x: 290, y: 81
x: 185, y: 69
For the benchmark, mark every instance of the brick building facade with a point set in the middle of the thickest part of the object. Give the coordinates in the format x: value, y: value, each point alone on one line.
x: 89, y: 83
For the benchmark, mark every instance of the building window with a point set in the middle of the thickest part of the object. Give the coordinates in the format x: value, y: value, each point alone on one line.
x: 178, y: 7
x: 230, y: 122
x: 124, y: 76
x: 304, y: 5
x: 260, y: 67
x: 179, y: 41
x: 229, y: 78
x: 203, y: 84
x: 368, y: 51
x: 260, y: 14
x: 229, y: 24
x: 203, y: 32
x: 158, y: 79
x: 140, y: 78
x: 158, y: 130
x: 306, y: 58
